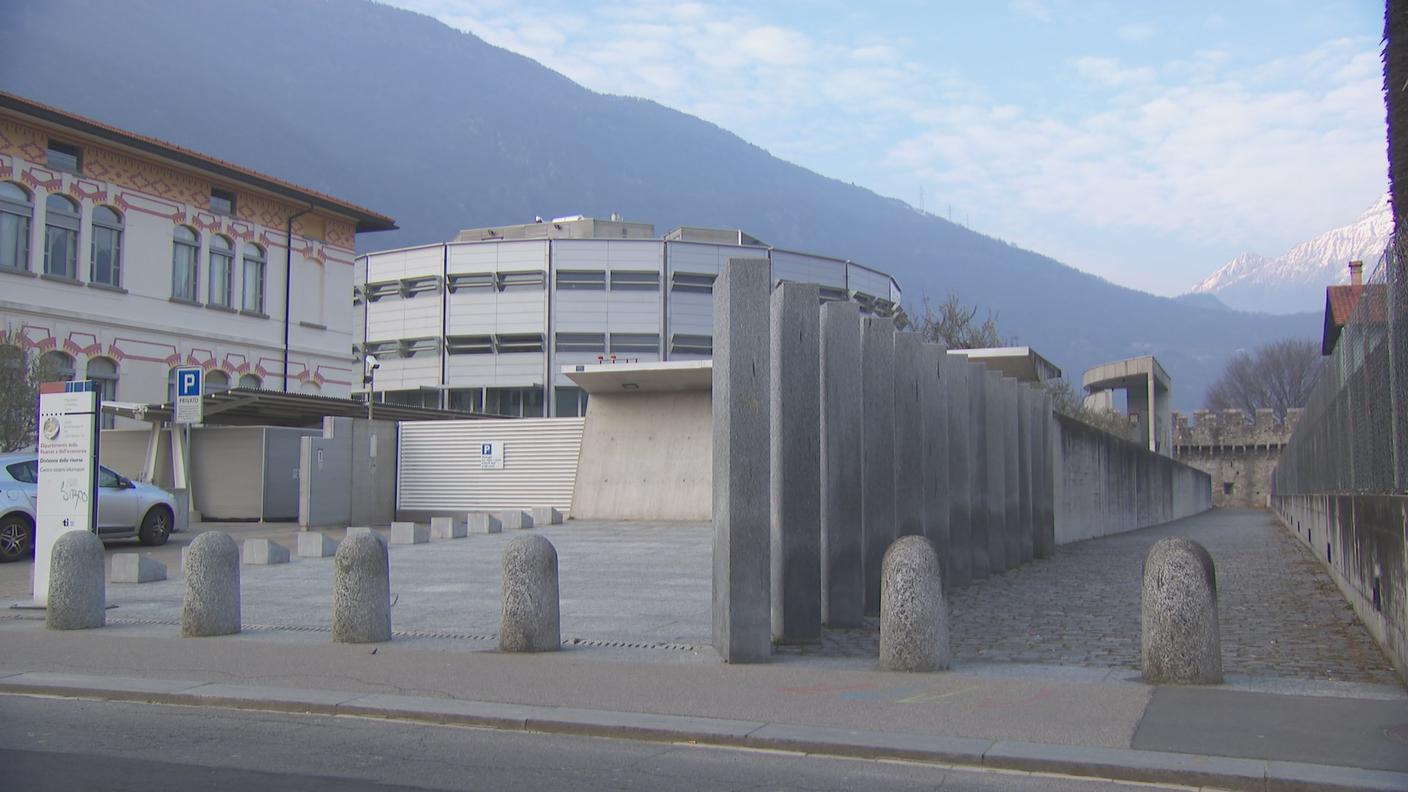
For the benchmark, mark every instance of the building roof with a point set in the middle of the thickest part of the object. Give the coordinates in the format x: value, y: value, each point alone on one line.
x: 1124, y: 373
x: 255, y: 407
x: 1020, y: 362
x: 1340, y: 302
x: 366, y: 219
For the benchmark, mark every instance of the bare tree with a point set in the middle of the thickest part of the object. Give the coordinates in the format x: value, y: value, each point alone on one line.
x: 20, y: 375
x: 1067, y: 401
x: 955, y: 325
x: 1277, y: 376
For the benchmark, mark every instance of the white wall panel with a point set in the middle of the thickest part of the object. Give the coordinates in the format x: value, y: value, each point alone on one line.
x: 438, y: 464
x: 804, y: 268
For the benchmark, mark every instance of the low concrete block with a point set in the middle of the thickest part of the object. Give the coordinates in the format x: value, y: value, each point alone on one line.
x: 1180, y: 640
x: 210, y: 604
x: 136, y: 568
x: 407, y: 533
x: 446, y: 528
x: 361, y: 593
x: 484, y: 523
x: 914, y: 628
x: 515, y: 519
x: 77, y: 593
x: 264, y: 552
x: 312, y: 544
x: 545, y: 515
x: 529, y: 620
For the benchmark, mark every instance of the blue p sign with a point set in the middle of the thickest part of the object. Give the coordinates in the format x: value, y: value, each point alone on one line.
x: 188, y: 382
x: 486, y: 449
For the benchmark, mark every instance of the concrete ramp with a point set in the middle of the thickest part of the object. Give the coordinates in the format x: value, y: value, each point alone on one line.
x: 647, y: 442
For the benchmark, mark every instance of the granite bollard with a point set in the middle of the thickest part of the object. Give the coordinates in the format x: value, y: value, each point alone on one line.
x: 312, y: 544
x: 361, y: 593
x: 842, y: 566
x: 409, y: 533
x: 1180, y: 639
x: 529, y: 620
x: 545, y: 515
x: 483, y: 523
x: 914, y: 628
x: 211, y: 572
x: 362, y: 530
x: 136, y: 568
x: 77, y: 592
x: 264, y: 552
x: 447, y: 528
x: 515, y: 519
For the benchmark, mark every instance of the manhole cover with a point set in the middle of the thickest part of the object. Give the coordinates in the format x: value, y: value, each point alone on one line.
x: 1399, y: 732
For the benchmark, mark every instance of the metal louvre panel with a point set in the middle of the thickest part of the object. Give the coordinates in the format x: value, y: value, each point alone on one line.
x: 439, y: 467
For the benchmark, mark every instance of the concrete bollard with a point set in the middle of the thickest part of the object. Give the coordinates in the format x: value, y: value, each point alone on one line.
x: 211, y: 603
x: 914, y: 628
x: 77, y: 593
x: 135, y: 568
x: 361, y: 530
x: 447, y: 528
x: 361, y: 591
x: 1180, y: 638
x: 484, y: 523
x: 312, y: 544
x: 515, y: 519
x: 264, y: 552
x: 545, y: 515
x: 409, y: 533
x: 529, y: 620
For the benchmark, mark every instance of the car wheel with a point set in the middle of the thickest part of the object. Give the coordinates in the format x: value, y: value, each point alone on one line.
x: 156, y: 526
x: 16, y: 538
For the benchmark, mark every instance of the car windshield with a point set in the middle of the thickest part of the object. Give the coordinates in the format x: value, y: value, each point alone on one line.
x: 24, y: 472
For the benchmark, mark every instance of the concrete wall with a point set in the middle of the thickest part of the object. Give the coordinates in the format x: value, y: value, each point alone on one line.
x: 645, y: 456
x: 1105, y: 485
x: 1238, y: 454
x: 325, y: 476
x: 373, y: 482
x: 1361, y: 541
x: 281, y: 471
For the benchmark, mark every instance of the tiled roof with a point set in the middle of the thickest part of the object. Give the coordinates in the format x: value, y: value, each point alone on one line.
x: 367, y: 220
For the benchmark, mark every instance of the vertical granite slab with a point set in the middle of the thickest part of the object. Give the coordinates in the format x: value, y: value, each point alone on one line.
x: 980, y: 448
x: 795, y: 421
x: 1046, y: 480
x: 1012, y: 536
x: 934, y: 390
x: 842, y: 569
x: 878, y: 517
x: 1026, y: 421
x: 996, y: 442
x: 909, y: 435
x: 960, y: 471
x: 742, y: 616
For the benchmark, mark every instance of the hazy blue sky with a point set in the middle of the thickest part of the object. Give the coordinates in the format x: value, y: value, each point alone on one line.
x: 1147, y: 142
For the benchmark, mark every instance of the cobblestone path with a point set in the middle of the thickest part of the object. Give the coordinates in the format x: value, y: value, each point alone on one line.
x: 1280, y: 613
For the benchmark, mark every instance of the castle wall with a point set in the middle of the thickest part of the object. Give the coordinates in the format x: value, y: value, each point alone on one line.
x: 1238, y: 454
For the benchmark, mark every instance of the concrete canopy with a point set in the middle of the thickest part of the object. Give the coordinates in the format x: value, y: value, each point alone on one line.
x: 1148, y: 390
x: 1019, y: 362
x: 686, y: 375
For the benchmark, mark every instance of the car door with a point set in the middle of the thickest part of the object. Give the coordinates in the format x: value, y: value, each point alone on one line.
x: 117, y: 505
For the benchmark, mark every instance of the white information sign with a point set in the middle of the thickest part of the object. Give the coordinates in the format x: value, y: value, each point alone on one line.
x: 491, y: 456
x: 66, y: 492
x: 188, y: 408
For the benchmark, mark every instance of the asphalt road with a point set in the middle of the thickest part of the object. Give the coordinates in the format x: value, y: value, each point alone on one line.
x: 60, y: 744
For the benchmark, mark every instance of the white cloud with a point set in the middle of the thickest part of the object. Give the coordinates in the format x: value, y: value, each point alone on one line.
x: 1136, y: 32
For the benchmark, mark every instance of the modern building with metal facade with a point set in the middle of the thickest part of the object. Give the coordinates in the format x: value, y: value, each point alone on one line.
x: 486, y: 322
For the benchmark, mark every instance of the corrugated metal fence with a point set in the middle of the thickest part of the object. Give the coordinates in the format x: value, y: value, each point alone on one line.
x: 440, y: 469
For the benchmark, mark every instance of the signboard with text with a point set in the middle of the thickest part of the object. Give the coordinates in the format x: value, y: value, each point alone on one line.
x: 66, y: 491
x: 491, y: 456
x: 188, y: 407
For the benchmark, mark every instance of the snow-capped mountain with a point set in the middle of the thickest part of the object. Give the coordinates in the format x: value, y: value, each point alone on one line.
x: 1296, y: 281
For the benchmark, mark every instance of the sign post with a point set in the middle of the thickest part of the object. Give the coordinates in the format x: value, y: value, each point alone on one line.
x: 68, y: 472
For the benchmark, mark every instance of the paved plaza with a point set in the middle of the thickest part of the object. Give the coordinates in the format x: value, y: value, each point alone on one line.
x: 646, y: 587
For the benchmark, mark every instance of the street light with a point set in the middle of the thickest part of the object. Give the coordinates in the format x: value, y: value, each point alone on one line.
x: 369, y: 379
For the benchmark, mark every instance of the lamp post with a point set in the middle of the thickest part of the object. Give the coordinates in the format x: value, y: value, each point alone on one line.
x: 372, y: 364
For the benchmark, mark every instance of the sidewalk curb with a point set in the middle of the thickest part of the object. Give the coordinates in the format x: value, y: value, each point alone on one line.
x: 1116, y: 764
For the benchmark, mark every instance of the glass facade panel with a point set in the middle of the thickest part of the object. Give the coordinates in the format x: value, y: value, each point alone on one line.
x: 106, y: 264
x: 185, y: 255
x: 222, y: 265
x: 252, y: 295
x: 16, y: 209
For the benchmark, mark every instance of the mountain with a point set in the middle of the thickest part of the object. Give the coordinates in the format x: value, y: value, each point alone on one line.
x: 1296, y: 281
x: 443, y: 131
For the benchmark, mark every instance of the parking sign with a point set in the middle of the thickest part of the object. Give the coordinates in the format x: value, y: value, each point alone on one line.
x: 491, y: 456
x: 188, y: 401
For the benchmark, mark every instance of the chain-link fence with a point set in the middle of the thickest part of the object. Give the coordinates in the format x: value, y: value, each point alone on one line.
x: 1353, y: 435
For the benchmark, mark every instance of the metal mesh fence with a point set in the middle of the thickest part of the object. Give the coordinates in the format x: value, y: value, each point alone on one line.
x: 1353, y: 435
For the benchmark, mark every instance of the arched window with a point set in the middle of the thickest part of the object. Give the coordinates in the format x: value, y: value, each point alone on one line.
x: 57, y: 365
x: 103, y: 371
x: 251, y: 381
x: 222, y: 267
x: 254, y: 269
x: 107, y: 247
x: 216, y: 382
x: 16, y: 209
x: 185, y: 258
x: 61, y: 237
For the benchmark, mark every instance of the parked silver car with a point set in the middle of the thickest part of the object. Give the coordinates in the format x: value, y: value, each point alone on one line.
x: 126, y: 508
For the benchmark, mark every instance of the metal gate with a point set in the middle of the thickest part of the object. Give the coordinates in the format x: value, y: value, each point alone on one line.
x: 441, y: 467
